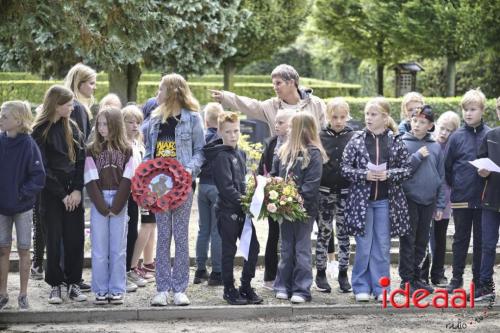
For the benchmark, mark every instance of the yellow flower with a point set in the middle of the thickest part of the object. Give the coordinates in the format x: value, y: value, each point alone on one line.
x: 282, y: 203
x: 273, y: 195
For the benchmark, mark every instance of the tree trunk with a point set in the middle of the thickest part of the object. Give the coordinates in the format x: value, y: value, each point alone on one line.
x: 229, y: 71
x: 380, y: 78
x: 451, y: 73
x: 123, y: 81
x: 134, y: 73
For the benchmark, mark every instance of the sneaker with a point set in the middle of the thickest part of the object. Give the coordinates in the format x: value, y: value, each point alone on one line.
x: 322, y: 282
x: 298, y: 299
x: 160, y: 299
x: 36, y: 273
x: 148, y: 277
x: 233, y: 297
x: 250, y: 295
x: 131, y: 287
x: 362, y: 297
x: 151, y: 268
x: 215, y: 279
x: 344, y: 284
x: 181, y: 299
x: 200, y: 276
x: 133, y: 277
x: 116, y: 298
x: 281, y: 295
x: 55, y: 295
x: 268, y: 285
x: 101, y: 299
x: 4, y: 299
x: 419, y: 284
x: 84, y: 287
x: 378, y: 298
x: 75, y: 293
x: 455, y: 283
x: 22, y: 302
x: 402, y: 286
x: 486, y: 292
x: 441, y: 282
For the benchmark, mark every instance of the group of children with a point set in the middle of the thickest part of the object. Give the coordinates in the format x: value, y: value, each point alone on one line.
x: 377, y: 183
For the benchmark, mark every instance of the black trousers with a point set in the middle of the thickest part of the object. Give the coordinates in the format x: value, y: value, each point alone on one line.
x: 133, y: 214
x: 38, y: 236
x: 271, y: 255
x: 435, y: 259
x: 230, y: 226
x: 68, y: 228
x: 413, y: 247
x: 465, y: 220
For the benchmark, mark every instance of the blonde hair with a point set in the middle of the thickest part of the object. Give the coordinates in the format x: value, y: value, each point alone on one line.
x: 133, y: 111
x: 21, y: 111
x: 77, y: 75
x: 178, y: 96
x: 110, y: 100
x: 303, y: 132
x: 337, y: 103
x: 449, y: 117
x: 382, y: 105
x: 474, y: 96
x: 227, y: 117
x: 412, y: 96
x: 55, y: 96
x: 287, y: 113
x: 211, y: 112
x: 117, y: 137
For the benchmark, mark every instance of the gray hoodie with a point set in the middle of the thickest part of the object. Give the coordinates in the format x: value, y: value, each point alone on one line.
x: 426, y: 184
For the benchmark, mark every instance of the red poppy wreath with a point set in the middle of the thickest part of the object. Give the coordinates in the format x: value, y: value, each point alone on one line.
x: 161, y: 184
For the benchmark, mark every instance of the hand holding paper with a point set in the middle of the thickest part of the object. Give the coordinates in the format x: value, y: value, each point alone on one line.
x: 485, y: 163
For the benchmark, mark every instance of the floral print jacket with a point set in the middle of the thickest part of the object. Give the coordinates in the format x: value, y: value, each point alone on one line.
x: 354, y: 168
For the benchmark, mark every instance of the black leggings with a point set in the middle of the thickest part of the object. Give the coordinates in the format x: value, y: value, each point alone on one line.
x: 38, y: 236
x: 133, y: 213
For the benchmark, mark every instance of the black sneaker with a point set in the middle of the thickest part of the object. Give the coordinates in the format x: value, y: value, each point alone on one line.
x: 486, y: 292
x: 233, y: 297
x: 441, y: 282
x: 402, y: 285
x: 344, y: 284
x: 200, y: 276
x: 250, y: 295
x: 215, y: 279
x: 455, y: 283
x: 322, y: 282
x: 84, y: 287
x: 75, y: 293
x: 55, y: 295
x: 419, y: 284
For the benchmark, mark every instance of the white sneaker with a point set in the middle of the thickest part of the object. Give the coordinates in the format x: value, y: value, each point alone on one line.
x: 160, y: 299
x: 362, y: 297
x: 181, y: 299
x: 297, y: 299
x: 131, y: 287
x: 136, y: 279
x: 281, y: 295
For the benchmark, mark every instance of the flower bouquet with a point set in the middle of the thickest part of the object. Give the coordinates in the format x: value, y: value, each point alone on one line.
x: 281, y: 201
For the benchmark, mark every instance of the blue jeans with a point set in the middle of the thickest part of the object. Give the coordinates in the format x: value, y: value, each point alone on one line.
x: 490, y: 222
x: 109, y: 249
x: 372, y: 260
x: 207, y: 229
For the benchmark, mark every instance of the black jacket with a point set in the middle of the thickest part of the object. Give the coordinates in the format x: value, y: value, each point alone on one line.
x: 81, y: 117
x: 462, y: 147
x: 228, y: 167
x: 490, y: 148
x: 334, y: 144
x: 266, y: 160
x: 212, y: 139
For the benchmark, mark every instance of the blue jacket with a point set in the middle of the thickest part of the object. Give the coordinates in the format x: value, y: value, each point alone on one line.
x: 426, y: 185
x: 189, y: 140
x: 22, y: 174
x: 466, y: 185
x: 211, y: 138
x: 148, y: 107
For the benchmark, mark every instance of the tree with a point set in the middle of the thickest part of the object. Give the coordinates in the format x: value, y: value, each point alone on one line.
x: 190, y: 36
x: 270, y: 24
x: 364, y: 28
x: 435, y: 28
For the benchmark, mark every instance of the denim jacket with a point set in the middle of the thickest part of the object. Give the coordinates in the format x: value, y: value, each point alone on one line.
x: 189, y: 140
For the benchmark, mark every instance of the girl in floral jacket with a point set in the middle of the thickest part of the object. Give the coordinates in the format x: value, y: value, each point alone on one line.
x: 376, y: 163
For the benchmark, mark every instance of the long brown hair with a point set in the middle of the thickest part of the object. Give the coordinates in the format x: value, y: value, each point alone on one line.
x: 55, y: 96
x: 303, y: 132
x: 178, y: 96
x: 117, y: 138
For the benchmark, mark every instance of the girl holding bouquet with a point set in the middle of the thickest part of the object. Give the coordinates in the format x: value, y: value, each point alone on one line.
x: 175, y: 130
x: 302, y: 158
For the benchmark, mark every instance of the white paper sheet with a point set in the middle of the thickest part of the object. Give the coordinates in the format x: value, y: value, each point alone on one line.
x: 258, y: 196
x: 485, y: 163
x: 374, y: 167
x: 246, y: 237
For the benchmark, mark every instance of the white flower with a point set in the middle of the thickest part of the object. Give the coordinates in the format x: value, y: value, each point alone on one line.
x: 273, y: 195
x: 272, y: 208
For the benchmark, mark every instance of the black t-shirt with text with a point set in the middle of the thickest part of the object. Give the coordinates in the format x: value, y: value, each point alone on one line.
x: 165, y: 144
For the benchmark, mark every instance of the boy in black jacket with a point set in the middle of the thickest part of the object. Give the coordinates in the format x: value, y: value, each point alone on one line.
x: 332, y: 195
x: 490, y: 148
x: 229, y: 172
